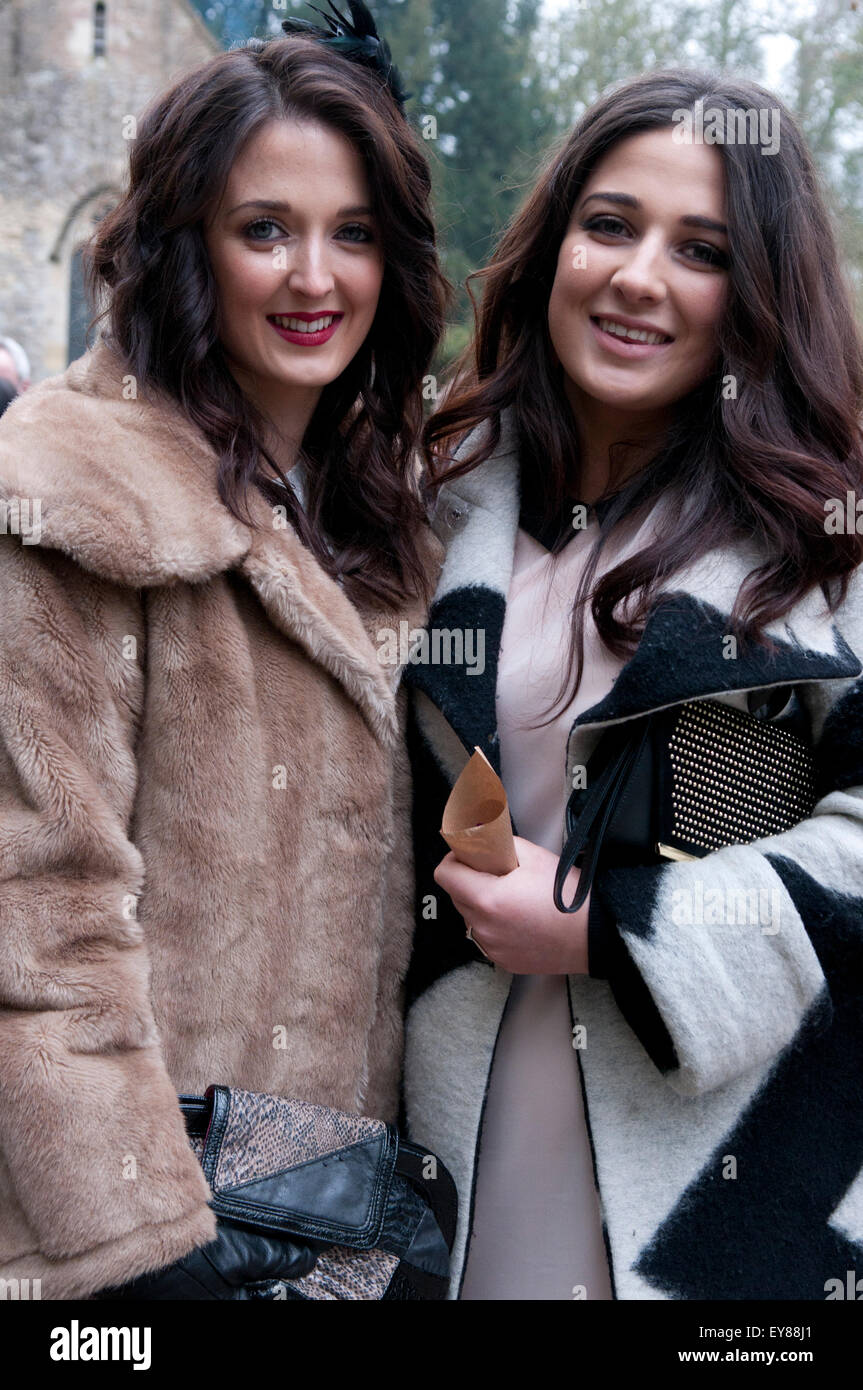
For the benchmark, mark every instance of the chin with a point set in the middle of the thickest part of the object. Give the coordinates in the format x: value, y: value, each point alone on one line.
x: 643, y: 397
x: 314, y: 380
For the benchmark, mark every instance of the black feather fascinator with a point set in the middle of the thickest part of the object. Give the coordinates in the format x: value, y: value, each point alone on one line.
x: 357, y: 39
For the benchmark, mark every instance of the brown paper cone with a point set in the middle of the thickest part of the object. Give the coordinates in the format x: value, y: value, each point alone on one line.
x: 476, y: 823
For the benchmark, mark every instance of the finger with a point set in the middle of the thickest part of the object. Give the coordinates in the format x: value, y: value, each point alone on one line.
x: 443, y: 868
x: 461, y: 881
x: 245, y: 1257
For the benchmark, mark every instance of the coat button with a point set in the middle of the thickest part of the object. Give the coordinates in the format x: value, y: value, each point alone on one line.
x: 455, y: 517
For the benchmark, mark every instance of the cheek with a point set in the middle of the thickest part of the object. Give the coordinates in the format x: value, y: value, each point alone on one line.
x: 580, y: 274
x: 251, y: 276
x: 244, y: 278
x: 704, y: 306
x: 367, y: 284
x: 576, y: 270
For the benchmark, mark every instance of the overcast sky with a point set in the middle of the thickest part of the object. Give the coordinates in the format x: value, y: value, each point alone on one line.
x: 777, y: 51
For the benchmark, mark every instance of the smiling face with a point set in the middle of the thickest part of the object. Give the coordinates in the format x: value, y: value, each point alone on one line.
x: 295, y: 254
x: 646, y: 256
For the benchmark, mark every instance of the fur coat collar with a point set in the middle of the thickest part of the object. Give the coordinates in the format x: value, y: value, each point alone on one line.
x: 127, y: 488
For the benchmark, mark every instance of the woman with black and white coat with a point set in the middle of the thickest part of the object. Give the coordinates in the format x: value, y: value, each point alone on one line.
x: 655, y: 1096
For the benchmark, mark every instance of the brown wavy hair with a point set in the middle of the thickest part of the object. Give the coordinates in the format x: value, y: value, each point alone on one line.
x: 762, y: 465
x: 163, y: 315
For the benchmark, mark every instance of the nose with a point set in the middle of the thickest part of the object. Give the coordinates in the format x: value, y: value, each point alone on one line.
x: 639, y: 275
x: 309, y: 270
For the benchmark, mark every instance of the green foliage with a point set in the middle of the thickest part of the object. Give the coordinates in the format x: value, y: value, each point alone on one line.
x: 492, y: 120
x: 825, y: 82
x: 598, y: 44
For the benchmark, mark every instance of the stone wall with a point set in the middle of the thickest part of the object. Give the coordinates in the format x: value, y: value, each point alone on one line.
x: 64, y: 152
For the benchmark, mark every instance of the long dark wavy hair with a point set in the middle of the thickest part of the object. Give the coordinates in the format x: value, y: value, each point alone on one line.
x: 761, y: 465
x: 163, y: 315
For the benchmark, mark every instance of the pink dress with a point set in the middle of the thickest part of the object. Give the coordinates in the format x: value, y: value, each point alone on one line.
x: 537, y: 1231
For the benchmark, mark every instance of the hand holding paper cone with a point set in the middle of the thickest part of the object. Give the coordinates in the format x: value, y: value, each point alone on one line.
x: 476, y: 822
x: 509, y: 916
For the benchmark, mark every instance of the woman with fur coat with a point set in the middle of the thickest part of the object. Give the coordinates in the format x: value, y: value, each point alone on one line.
x: 204, y: 798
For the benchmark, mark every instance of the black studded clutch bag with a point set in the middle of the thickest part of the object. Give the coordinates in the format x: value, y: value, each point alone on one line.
x: 681, y: 782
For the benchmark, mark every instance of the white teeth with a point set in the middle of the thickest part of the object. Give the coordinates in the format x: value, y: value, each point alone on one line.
x: 300, y: 325
x: 631, y: 335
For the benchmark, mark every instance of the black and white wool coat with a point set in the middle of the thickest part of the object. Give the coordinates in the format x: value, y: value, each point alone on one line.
x: 721, y: 1063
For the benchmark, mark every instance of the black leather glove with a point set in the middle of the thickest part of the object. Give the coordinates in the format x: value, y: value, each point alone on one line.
x: 238, y: 1264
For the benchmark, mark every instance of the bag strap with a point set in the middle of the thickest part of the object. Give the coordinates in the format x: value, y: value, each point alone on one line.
x: 439, y: 1191
x: 587, y: 831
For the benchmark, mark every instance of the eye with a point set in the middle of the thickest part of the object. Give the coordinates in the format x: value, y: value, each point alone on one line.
x: 701, y: 252
x: 606, y: 222
x: 262, y: 222
x: 707, y: 254
x: 357, y: 231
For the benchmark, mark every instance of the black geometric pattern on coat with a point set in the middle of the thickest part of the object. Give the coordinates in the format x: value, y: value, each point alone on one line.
x: 467, y: 702
x: 680, y: 657
x: 840, y: 750
x: 440, y: 945
x: 627, y: 903
x: 547, y: 533
x: 798, y: 1145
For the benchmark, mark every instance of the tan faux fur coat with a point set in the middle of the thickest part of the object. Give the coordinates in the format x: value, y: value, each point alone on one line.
x: 205, y: 863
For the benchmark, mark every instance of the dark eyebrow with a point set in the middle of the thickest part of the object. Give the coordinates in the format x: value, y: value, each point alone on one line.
x: 271, y: 206
x: 626, y: 200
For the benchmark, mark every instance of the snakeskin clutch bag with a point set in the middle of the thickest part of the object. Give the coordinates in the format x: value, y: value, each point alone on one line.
x: 376, y: 1213
x: 680, y: 783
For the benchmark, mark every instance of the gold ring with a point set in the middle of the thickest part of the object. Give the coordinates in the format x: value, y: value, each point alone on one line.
x: 470, y: 936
